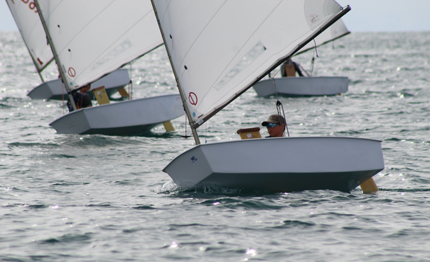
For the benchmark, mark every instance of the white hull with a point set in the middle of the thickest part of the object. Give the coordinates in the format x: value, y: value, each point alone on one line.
x: 303, y: 86
x: 54, y: 89
x: 280, y: 164
x: 132, y: 117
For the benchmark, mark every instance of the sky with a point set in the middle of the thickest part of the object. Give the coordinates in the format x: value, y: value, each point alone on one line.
x: 365, y: 16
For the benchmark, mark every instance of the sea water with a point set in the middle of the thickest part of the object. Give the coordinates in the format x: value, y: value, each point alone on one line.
x: 105, y: 198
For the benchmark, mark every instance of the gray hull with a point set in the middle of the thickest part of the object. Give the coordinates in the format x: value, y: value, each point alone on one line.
x: 132, y: 117
x: 303, y: 86
x: 55, y: 90
x: 280, y: 164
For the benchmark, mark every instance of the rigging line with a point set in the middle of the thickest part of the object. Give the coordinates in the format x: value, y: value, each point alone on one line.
x: 313, y: 58
x: 274, y: 84
x: 185, y: 128
x: 280, y: 107
x: 206, y: 136
x: 312, y: 65
x: 316, y: 50
x: 130, y: 84
x: 62, y: 94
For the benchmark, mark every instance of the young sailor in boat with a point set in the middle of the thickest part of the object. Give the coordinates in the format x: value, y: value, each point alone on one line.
x: 81, y: 97
x: 289, y: 68
x: 275, y: 126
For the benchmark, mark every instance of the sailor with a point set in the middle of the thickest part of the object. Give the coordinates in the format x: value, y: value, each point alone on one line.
x: 275, y: 125
x: 294, y: 64
x: 81, y: 97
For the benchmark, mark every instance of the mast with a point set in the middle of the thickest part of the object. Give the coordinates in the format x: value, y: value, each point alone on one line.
x: 54, y: 52
x: 193, y: 128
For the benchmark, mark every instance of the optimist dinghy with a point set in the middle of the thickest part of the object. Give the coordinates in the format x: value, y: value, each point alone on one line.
x: 303, y: 86
x: 241, y: 53
x: 54, y: 89
x: 125, y: 32
x: 310, y: 85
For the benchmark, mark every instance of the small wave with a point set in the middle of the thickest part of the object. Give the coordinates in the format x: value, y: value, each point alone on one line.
x: 296, y: 224
x: 63, y: 156
x: 103, y: 141
x: 354, y: 82
x: 132, y: 230
x: 41, y: 145
x: 178, y: 226
x: 99, y: 205
x: 5, y: 106
x: 404, y: 190
x: 96, y: 140
x: 38, y: 206
x: 67, y: 239
x: 169, y: 187
x: 68, y: 184
x: 144, y: 207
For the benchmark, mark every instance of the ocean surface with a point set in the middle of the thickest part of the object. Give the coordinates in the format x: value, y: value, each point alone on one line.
x: 105, y: 198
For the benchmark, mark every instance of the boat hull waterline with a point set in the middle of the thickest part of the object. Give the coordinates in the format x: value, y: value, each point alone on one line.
x: 279, y: 164
x: 303, y: 86
x: 132, y: 117
x: 55, y: 90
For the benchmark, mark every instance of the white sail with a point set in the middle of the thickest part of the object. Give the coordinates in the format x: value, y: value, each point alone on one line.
x: 335, y: 31
x: 220, y: 48
x: 93, y: 38
x: 28, y: 22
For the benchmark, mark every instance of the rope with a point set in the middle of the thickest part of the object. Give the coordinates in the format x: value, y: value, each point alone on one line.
x: 206, y: 136
x: 313, y: 58
x: 62, y: 93
x: 130, y: 84
x: 279, y: 106
x: 316, y: 50
x: 312, y: 65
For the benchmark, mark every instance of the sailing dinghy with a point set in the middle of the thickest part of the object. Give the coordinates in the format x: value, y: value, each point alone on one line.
x: 107, y: 35
x: 55, y: 90
x: 310, y: 85
x: 241, y: 42
x: 31, y: 30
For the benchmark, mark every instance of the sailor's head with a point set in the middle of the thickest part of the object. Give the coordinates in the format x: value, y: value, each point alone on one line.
x: 275, y: 125
x: 85, y: 88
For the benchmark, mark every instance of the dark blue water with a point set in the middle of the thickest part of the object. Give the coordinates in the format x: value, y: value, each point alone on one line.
x: 105, y: 198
